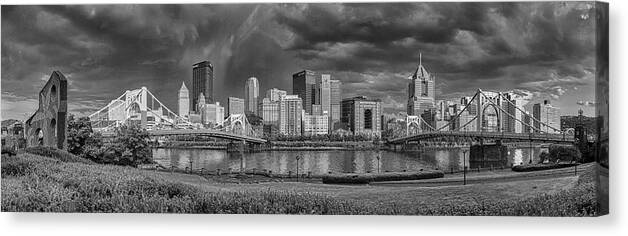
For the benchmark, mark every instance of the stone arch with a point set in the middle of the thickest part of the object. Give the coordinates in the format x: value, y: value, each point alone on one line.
x: 489, y: 123
x: 48, y: 125
x: 38, y: 137
x: 53, y: 127
x: 53, y: 93
x: 368, y: 119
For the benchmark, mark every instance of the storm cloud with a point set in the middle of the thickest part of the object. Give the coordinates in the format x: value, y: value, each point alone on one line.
x: 543, y: 50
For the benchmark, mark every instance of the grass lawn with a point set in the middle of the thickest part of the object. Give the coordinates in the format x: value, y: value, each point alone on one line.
x: 402, y: 196
x: 37, y: 183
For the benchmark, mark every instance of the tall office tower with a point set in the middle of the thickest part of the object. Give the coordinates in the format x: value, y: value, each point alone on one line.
x: 274, y: 94
x: 527, y: 124
x: 362, y: 115
x: 511, y: 121
x: 202, y: 82
x: 304, y: 86
x: 465, y: 122
x: 213, y: 114
x: 235, y: 106
x: 269, y: 111
x: 290, y: 114
x: 323, y: 93
x: 548, y: 114
x: 466, y: 102
x: 184, y: 101
x: 335, y: 100
x: 251, y: 93
x: 200, y: 104
x: 420, y: 91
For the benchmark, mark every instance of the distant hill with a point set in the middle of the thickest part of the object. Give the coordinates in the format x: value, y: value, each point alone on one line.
x: 6, y: 123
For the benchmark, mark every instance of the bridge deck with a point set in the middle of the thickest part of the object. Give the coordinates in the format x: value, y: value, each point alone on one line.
x: 486, y: 135
x: 201, y: 132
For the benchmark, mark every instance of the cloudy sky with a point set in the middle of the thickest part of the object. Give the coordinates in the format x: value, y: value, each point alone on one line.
x: 539, y: 50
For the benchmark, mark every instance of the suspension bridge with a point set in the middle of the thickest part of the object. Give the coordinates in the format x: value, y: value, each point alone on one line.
x: 485, y: 122
x: 141, y: 107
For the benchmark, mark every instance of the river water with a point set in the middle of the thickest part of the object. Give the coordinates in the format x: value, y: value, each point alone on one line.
x: 322, y: 162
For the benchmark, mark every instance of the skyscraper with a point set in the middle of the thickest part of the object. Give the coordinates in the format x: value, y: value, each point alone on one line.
x: 184, y: 101
x: 274, y: 94
x: 304, y: 86
x: 290, y: 114
x: 547, y: 114
x: 420, y: 91
x: 200, y: 104
x: 323, y: 93
x: 202, y: 82
x: 269, y: 111
x: 335, y: 100
x: 510, y: 122
x: 251, y: 92
x: 235, y: 106
x: 213, y: 114
x: 362, y: 115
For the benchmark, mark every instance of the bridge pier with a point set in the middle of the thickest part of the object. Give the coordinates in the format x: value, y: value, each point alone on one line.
x: 411, y: 147
x: 488, y: 155
x: 244, y: 147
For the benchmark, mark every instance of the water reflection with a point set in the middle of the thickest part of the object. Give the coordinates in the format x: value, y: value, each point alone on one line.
x: 322, y: 162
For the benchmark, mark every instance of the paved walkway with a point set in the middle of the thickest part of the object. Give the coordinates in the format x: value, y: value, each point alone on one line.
x: 487, y: 177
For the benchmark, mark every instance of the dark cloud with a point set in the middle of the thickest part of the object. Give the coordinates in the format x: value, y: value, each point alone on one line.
x: 543, y: 48
x: 498, y: 46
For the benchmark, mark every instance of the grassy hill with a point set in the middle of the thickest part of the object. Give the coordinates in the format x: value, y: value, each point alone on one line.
x: 33, y: 183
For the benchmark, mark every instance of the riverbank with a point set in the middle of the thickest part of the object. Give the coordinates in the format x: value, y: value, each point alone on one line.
x: 325, y: 145
x: 36, y: 183
x: 281, y: 145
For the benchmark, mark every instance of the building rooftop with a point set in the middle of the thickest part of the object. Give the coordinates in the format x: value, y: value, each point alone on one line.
x: 361, y: 98
x: 204, y: 64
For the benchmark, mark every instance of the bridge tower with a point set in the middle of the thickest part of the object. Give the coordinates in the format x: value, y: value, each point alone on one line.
x: 500, y: 127
x: 479, y: 110
x: 410, y: 121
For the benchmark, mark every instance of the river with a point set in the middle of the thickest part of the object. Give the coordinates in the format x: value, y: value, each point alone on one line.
x: 322, y: 162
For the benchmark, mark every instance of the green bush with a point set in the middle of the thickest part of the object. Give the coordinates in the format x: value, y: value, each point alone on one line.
x: 131, y: 146
x: 564, y: 153
x: 57, y: 154
x: 80, y: 136
x: 536, y: 167
x: 379, y: 177
x: 544, y: 156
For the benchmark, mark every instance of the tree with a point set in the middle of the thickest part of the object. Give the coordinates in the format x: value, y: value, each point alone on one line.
x: 80, y: 135
x: 254, y: 119
x: 131, y: 146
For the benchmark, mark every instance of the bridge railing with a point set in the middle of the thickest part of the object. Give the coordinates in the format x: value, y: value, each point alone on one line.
x: 501, y: 135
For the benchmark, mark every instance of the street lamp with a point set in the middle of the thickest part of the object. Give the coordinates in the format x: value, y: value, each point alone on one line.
x: 298, y: 157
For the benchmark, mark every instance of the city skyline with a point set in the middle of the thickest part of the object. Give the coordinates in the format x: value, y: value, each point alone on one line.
x: 273, y: 41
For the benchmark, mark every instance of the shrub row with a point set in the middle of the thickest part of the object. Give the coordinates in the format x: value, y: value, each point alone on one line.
x: 536, y: 167
x: 378, y: 177
x: 57, y: 154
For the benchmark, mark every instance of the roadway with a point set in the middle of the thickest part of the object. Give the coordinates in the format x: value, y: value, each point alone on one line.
x: 559, y: 138
x: 199, y: 132
x: 496, y: 176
